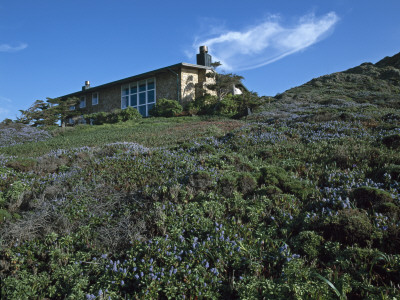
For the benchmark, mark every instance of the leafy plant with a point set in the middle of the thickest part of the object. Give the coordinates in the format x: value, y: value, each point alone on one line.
x: 166, y: 108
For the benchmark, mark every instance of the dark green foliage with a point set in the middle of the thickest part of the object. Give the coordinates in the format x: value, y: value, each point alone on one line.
x: 223, y: 83
x: 116, y: 116
x: 349, y: 227
x: 276, y: 176
x: 368, y: 197
x: 206, y: 149
x: 246, y: 183
x: 99, y: 118
x: 22, y: 164
x: 388, y: 209
x: 166, y: 108
x: 227, y: 185
x: 308, y: 243
x: 4, y: 215
x: 228, y: 106
x: 6, y: 122
x: 392, y: 141
x: 202, y: 105
x: 201, y: 180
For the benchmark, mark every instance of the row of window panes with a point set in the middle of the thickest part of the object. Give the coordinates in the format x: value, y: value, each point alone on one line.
x: 140, y: 95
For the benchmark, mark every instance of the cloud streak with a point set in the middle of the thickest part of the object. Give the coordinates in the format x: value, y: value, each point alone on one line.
x: 9, y: 48
x: 267, y: 42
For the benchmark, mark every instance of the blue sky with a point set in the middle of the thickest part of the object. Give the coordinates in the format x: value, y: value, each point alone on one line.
x: 49, y: 48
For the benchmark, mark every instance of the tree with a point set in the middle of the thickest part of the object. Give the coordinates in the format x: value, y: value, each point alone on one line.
x: 37, y: 114
x: 62, y: 108
x: 223, y: 83
x: 42, y: 113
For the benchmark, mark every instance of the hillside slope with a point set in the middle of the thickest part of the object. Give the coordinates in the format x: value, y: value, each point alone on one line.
x: 367, y: 83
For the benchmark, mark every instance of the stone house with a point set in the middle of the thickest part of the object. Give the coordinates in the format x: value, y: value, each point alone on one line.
x: 182, y: 82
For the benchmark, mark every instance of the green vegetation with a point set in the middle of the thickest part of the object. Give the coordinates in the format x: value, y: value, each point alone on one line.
x: 166, y: 108
x: 116, y: 116
x: 298, y: 201
x: 205, y: 207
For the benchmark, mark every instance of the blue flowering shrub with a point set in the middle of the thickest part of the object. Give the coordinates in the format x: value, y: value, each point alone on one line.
x: 291, y: 203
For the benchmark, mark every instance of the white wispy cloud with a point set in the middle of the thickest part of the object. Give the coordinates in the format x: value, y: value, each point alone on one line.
x: 9, y: 48
x: 266, y: 42
x: 4, y: 99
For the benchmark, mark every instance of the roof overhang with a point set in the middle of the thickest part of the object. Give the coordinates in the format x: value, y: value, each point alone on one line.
x: 136, y: 77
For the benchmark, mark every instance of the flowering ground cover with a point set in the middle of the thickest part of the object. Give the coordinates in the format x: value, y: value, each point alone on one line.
x: 295, y: 202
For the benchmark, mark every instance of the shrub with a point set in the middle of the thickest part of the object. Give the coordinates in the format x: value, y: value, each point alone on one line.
x: 202, y: 105
x: 205, y: 148
x: 389, y: 209
x: 227, y: 185
x: 4, y: 215
x: 392, y: 170
x: 392, y: 141
x: 166, y: 108
x: 277, y: 176
x: 22, y: 164
x: 228, y: 106
x: 246, y: 183
x: 308, y: 243
x: 130, y: 113
x: 368, y: 197
x: 349, y: 227
x: 116, y: 116
x: 201, y: 180
x: 99, y: 118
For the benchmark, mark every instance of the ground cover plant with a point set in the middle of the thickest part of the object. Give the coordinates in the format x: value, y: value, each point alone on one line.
x: 298, y: 201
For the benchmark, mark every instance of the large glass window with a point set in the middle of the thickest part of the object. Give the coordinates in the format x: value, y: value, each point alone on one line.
x: 140, y: 95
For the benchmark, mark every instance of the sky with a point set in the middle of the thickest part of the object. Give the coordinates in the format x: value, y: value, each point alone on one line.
x: 50, y: 48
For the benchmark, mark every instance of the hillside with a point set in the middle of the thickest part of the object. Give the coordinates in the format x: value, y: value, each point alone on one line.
x: 298, y: 201
x: 368, y: 83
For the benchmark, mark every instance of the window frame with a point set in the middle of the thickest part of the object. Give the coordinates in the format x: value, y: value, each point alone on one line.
x: 132, y: 89
x: 97, y: 98
x: 82, y: 102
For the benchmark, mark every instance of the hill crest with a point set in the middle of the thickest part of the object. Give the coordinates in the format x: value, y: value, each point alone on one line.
x: 367, y: 83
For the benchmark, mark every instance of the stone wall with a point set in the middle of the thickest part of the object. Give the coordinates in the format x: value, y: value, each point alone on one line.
x: 189, y: 80
x: 204, y: 80
x: 166, y: 86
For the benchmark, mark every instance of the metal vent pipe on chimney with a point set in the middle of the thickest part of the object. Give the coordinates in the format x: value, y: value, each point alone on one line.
x: 203, y: 58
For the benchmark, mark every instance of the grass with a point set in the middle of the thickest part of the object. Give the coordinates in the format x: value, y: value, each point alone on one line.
x: 148, y: 132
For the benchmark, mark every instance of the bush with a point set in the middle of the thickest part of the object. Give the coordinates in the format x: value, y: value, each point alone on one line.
x: 277, y: 176
x: 392, y: 141
x: 22, y: 164
x: 368, y: 197
x: 130, y: 113
x: 227, y: 185
x: 4, y: 215
x: 392, y: 170
x: 228, y: 106
x: 246, y: 183
x: 349, y: 227
x: 308, y: 243
x: 116, y: 116
x: 200, y: 180
x: 166, y: 108
x: 202, y: 105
